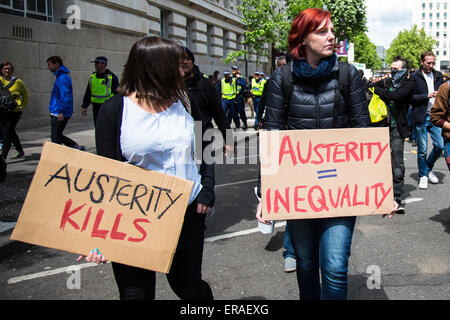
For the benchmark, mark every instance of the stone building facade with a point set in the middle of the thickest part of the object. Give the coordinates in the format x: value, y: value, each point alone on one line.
x: 79, y: 30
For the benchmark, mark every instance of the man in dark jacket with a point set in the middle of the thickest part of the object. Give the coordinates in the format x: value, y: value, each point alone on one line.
x: 427, y: 82
x: 102, y: 85
x: 205, y: 106
x: 396, y: 92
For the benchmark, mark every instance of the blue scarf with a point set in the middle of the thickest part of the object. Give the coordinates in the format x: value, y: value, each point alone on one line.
x: 303, y: 70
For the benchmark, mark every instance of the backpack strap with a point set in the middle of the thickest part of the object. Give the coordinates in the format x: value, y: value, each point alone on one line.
x: 9, y: 85
x: 287, y: 86
x: 344, y: 88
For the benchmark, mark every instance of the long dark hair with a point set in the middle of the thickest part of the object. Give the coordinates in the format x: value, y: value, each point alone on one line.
x: 152, y: 71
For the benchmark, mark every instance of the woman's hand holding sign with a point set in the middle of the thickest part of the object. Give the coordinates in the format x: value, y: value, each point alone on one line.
x: 93, y: 256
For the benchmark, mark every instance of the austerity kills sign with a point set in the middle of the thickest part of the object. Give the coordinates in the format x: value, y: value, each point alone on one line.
x: 79, y: 201
x: 309, y: 174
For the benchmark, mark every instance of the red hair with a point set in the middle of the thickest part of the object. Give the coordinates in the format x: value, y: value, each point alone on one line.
x: 306, y: 22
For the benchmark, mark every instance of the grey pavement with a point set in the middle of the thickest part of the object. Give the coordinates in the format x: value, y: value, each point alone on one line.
x: 409, y: 254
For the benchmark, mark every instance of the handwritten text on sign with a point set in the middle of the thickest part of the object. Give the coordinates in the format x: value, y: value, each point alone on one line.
x: 325, y: 173
x: 78, y: 201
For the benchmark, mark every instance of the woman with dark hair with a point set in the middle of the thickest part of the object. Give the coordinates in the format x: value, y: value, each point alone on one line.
x: 318, y: 243
x: 147, y: 125
x: 10, y: 118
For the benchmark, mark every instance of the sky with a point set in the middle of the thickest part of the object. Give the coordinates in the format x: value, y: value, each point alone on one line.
x: 385, y: 18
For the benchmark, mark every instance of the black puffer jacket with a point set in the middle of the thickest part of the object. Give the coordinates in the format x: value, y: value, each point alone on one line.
x: 312, y: 103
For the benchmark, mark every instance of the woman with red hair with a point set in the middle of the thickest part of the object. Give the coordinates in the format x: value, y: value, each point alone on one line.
x: 315, y: 101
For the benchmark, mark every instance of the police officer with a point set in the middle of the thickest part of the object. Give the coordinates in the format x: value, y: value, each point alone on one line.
x: 240, y: 105
x: 228, y: 90
x: 257, y: 88
x: 102, y: 85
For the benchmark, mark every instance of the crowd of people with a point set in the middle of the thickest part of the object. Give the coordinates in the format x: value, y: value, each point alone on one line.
x: 163, y: 100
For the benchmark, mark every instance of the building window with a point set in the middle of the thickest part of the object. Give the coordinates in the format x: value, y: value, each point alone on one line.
x: 438, y: 5
x: 445, y: 15
x: 438, y: 15
x: 423, y: 5
x: 35, y: 9
x: 431, y: 5
x: 445, y: 25
x: 445, y: 52
x: 208, y: 41
x: 431, y: 24
x: 437, y: 34
x: 423, y: 15
x: 438, y: 24
x: 431, y: 15
x: 437, y: 52
x: 445, y: 5
x: 423, y: 24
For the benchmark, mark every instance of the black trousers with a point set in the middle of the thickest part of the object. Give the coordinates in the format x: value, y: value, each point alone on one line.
x: 397, y: 160
x: 57, y: 129
x: 95, y: 110
x: 185, y: 276
x: 9, y: 122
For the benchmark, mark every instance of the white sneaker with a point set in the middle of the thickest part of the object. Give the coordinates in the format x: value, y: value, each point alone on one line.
x: 423, y: 183
x: 432, y: 177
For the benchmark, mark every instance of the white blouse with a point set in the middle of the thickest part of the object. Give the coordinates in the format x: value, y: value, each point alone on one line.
x: 162, y: 142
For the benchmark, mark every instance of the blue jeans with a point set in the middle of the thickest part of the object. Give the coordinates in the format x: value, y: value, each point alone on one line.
x: 410, y: 124
x: 325, y: 244
x: 289, y: 250
x: 256, y: 102
x: 424, y: 163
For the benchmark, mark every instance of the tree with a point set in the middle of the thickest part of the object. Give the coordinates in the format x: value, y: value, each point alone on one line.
x: 366, y: 52
x: 348, y: 16
x: 410, y: 44
x: 261, y: 19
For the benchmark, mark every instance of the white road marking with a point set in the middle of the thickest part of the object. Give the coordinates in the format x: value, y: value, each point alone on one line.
x: 411, y: 200
x: 235, y: 183
x: 50, y: 272
x: 239, y: 233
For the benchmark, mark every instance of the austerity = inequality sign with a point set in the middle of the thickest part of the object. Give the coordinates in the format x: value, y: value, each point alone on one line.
x: 78, y: 201
x: 325, y: 173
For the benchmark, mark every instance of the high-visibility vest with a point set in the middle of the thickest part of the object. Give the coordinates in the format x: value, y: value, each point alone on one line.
x: 100, y: 88
x: 229, y: 89
x: 258, y: 87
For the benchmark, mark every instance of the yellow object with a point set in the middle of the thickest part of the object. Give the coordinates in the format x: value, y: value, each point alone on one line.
x: 377, y: 108
x: 19, y: 92
x: 100, y: 88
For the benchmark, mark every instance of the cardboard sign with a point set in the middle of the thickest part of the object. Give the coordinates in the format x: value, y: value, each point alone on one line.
x: 309, y: 174
x: 79, y: 201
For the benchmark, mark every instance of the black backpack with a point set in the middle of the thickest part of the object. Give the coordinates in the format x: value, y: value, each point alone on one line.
x: 7, y: 101
x: 344, y: 87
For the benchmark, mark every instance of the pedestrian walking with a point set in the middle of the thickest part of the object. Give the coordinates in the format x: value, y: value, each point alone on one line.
x: 427, y: 81
x: 13, y: 98
x: 397, y: 92
x: 228, y: 89
x: 440, y: 117
x: 147, y: 124
x: 61, y: 103
x: 319, y: 244
x: 257, y: 89
x: 240, y: 104
x: 102, y: 85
